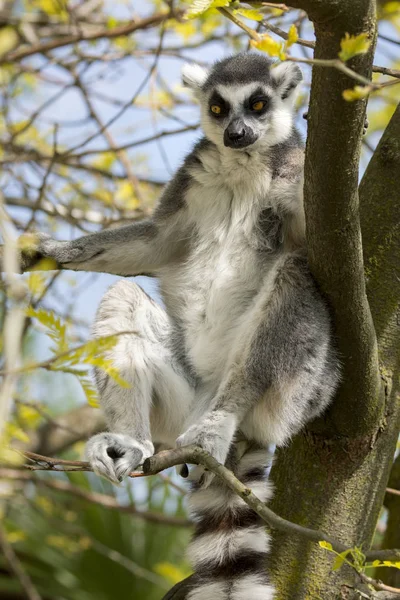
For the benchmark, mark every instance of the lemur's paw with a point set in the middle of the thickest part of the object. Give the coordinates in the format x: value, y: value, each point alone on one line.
x: 115, y: 455
x: 214, y: 434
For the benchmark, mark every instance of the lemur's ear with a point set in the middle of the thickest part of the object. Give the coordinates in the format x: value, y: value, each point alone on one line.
x: 193, y: 76
x: 286, y: 77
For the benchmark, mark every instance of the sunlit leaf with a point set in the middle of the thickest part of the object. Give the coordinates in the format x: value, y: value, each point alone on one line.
x: 90, y: 392
x: 199, y: 7
x: 249, y: 13
x: 293, y: 36
x: 57, y: 330
x: 325, y: 545
x: 125, y: 195
x: 351, y: 45
x: 267, y: 44
x: 356, y: 93
x: 8, y: 40
x: 15, y: 536
x: 171, y: 572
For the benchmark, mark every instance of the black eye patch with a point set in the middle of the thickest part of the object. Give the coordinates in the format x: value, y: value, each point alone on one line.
x: 218, y: 106
x: 258, y: 103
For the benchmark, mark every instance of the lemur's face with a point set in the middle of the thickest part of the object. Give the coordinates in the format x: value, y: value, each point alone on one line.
x: 238, y: 115
x: 246, y: 104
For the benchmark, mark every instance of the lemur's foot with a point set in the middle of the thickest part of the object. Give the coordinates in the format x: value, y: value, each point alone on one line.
x: 115, y: 455
x: 214, y: 434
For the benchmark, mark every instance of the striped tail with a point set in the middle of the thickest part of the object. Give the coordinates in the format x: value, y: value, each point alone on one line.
x: 230, y: 544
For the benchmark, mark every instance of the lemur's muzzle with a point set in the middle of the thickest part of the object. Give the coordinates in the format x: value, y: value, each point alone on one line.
x: 239, y: 135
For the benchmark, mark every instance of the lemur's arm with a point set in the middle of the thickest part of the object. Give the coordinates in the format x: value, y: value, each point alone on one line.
x: 140, y: 248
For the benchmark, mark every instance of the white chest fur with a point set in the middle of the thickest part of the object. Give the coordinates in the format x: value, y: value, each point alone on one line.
x: 222, y: 274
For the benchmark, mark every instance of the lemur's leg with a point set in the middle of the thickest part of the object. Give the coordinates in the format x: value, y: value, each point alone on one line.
x: 282, y: 371
x: 156, y: 404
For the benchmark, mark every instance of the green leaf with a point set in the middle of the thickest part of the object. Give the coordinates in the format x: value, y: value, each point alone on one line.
x: 340, y: 559
x: 326, y: 545
x: 353, y: 45
x: 267, y: 44
x: 200, y: 6
x: 57, y: 330
x: 356, y: 93
x: 249, y: 13
x: 8, y: 40
x: 293, y: 36
x: 90, y: 392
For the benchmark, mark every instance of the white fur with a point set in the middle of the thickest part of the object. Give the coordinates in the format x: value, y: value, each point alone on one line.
x: 217, y: 590
x: 211, y: 500
x: 194, y: 76
x: 251, y: 587
x: 216, y: 548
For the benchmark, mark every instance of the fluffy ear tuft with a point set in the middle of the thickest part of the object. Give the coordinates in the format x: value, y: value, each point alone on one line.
x: 194, y: 76
x: 286, y: 77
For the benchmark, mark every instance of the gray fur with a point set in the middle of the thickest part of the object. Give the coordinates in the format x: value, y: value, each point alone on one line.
x: 244, y: 347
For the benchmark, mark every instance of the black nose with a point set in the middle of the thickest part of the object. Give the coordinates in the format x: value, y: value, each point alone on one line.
x: 236, y: 134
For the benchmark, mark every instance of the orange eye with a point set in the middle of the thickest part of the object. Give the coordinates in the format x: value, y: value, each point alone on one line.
x: 257, y: 106
x: 216, y: 109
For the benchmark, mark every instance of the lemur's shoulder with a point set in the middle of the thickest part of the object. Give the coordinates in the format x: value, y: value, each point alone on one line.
x: 287, y: 157
x: 173, y: 197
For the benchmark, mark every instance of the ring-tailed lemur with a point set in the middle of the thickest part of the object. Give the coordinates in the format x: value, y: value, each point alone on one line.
x: 244, y: 349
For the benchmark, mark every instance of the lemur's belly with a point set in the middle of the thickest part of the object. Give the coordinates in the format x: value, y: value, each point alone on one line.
x: 223, y: 282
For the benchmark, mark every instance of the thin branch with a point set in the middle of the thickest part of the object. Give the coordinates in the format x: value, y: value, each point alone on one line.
x: 195, y: 455
x: 103, y: 33
x: 379, y: 585
x: 335, y: 63
x: 49, y: 363
x: 310, y: 44
x: 392, y: 491
x: 104, y: 500
x: 17, y: 568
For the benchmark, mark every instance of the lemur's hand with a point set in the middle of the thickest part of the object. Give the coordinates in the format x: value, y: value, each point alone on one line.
x: 34, y: 248
x: 115, y: 455
x: 214, y: 434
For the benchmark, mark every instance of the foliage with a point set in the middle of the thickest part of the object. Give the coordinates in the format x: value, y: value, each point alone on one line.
x: 89, y: 132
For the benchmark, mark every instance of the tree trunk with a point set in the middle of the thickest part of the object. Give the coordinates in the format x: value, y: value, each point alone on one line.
x: 334, y: 474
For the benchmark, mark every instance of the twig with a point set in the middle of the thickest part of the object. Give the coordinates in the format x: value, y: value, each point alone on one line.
x: 45, y: 463
x: 94, y: 497
x: 17, y: 567
x: 335, y: 63
x: 48, y: 364
x: 393, y: 491
x: 105, y: 33
x: 195, y: 455
x: 128, y: 564
x: 378, y: 585
x: 282, y: 7
x: 15, y: 315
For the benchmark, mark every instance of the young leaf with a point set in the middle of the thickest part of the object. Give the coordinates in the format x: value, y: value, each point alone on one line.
x: 351, y: 45
x: 356, y: 93
x: 90, y: 392
x: 326, y: 545
x: 8, y: 40
x: 200, y: 6
x: 267, y: 44
x: 57, y: 331
x: 249, y: 13
x: 293, y: 36
x: 340, y: 559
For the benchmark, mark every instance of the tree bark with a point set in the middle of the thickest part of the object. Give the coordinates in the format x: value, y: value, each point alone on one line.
x: 333, y: 475
x: 391, y: 576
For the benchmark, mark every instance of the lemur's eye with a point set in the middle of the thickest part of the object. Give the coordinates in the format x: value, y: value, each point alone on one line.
x: 257, y: 106
x: 215, y: 109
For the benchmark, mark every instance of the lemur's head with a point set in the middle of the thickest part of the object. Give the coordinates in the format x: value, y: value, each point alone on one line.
x: 246, y: 102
